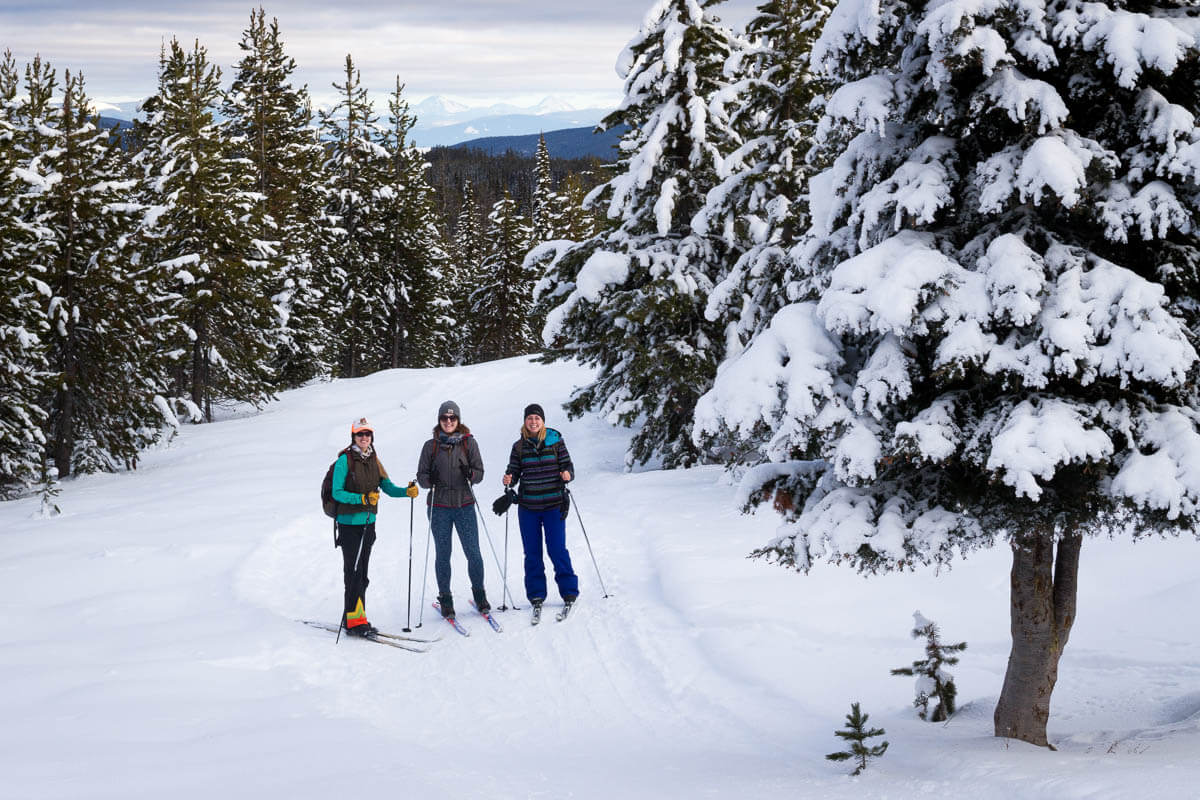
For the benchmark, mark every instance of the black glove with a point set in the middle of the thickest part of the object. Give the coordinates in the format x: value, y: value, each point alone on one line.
x: 501, y: 506
x: 566, y: 504
x: 466, y: 472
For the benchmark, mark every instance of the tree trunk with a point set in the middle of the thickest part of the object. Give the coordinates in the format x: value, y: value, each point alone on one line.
x: 64, y: 434
x: 1042, y: 607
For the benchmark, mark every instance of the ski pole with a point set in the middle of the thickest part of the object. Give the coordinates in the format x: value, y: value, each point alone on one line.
x: 502, y: 606
x: 425, y: 573
x: 586, y: 539
x: 357, y: 581
x: 495, y: 557
x: 412, y: 501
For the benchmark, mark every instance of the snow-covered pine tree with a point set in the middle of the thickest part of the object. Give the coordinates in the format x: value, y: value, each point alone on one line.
x: 200, y: 230
x: 108, y: 370
x: 271, y: 125
x: 354, y: 241
x: 468, y: 243
x: 630, y: 301
x: 1004, y: 343
x: 414, y: 256
x: 856, y: 734
x: 501, y: 324
x: 23, y: 324
x: 760, y: 207
x: 466, y: 257
x: 545, y: 213
x: 933, y: 681
x: 575, y: 221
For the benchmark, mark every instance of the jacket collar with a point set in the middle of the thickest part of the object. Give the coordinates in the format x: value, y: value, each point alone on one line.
x: 553, y: 437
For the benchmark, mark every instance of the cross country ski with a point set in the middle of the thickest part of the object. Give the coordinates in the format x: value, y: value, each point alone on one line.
x: 392, y: 640
x: 490, y: 619
x: 458, y: 626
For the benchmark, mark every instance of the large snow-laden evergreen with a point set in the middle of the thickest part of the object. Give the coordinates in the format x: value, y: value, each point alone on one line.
x: 107, y: 366
x: 200, y: 229
x: 631, y: 300
x: 270, y: 124
x: 999, y: 339
x: 760, y: 206
x: 24, y: 371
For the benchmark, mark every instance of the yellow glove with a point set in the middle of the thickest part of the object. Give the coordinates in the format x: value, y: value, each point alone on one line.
x: 411, y: 491
x: 372, y: 498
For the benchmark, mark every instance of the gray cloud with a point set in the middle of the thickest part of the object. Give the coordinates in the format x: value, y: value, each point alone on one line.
x: 473, y: 49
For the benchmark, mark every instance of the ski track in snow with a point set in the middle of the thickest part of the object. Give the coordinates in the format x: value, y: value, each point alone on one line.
x: 153, y: 646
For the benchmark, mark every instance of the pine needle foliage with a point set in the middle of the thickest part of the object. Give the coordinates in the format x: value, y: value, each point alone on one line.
x: 855, y: 734
x: 108, y: 366
x: 933, y: 681
x: 353, y: 246
x: 24, y: 371
x: 414, y: 259
x: 199, y: 230
x: 501, y: 301
x: 271, y: 127
x: 630, y: 301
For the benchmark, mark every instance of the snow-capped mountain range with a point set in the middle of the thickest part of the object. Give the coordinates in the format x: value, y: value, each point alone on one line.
x: 445, y: 121
x: 442, y: 121
x: 441, y: 110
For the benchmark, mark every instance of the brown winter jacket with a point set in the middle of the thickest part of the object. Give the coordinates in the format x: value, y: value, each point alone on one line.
x: 441, y: 467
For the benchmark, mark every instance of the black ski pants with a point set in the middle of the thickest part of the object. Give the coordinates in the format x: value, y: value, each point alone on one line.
x: 349, y: 539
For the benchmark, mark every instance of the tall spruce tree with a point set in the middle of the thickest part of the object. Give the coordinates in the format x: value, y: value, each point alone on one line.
x: 107, y: 365
x: 1000, y: 337
x: 545, y: 212
x: 575, y: 221
x: 630, y: 301
x: 466, y: 258
x: 24, y: 372
x: 500, y: 304
x: 414, y: 257
x: 270, y: 124
x: 355, y: 242
x: 760, y: 207
x: 200, y: 230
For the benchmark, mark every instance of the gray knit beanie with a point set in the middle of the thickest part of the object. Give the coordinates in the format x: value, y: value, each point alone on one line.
x: 449, y: 407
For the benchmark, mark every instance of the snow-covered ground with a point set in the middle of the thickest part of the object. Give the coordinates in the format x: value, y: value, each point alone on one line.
x: 151, y: 647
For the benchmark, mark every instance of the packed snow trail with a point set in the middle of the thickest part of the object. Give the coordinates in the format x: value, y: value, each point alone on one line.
x: 152, y: 648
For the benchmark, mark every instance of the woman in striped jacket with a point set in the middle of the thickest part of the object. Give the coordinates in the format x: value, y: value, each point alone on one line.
x: 541, y: 466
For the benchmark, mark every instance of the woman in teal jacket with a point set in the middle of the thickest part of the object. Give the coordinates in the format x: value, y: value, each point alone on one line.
x: 358, y: 475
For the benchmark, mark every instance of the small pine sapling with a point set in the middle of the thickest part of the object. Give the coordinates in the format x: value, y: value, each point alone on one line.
x: 933, y: 682
x: 49, y: 491
x: 857, y: 733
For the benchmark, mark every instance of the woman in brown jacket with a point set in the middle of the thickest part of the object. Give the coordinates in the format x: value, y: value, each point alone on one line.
x: 449, y: 464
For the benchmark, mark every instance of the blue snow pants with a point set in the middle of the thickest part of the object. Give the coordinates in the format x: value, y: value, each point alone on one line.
x: 533, y: 525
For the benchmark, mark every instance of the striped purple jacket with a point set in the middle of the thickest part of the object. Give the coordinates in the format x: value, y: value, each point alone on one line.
x: 535, y: 467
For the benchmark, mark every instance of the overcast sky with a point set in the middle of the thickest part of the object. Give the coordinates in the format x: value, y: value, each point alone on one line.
x: 477, y: 51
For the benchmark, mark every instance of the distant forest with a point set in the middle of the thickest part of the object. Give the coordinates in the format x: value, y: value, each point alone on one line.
x: 491, y: 175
